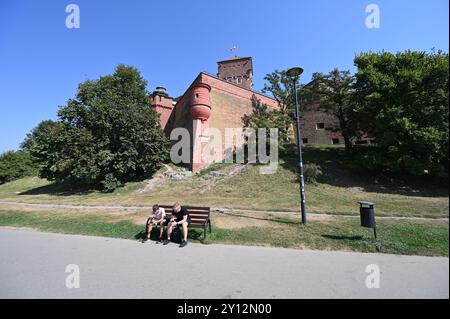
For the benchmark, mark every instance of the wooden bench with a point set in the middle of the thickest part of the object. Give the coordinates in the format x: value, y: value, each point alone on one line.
x: 200, y: 216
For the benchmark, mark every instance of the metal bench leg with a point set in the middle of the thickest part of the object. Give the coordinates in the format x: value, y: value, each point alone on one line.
x: 209, y: 225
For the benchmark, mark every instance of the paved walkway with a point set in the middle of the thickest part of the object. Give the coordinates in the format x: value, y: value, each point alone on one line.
x: 33, y: 264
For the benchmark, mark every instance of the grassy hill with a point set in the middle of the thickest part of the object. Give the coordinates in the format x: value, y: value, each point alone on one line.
x: 336, y: 192
x: 261, y: 199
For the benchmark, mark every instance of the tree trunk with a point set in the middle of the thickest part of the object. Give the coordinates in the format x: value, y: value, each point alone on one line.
x: 343, y: 127
x: 347, y: 141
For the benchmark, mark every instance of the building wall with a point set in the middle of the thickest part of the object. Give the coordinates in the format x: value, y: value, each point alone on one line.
x: 181, y: 117
x: 311, y: 119
x: 311, y: 122
x: 235, y: 90
x: 229, y: 103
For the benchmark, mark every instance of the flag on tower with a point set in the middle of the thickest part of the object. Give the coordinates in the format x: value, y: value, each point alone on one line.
x: 233, y: 48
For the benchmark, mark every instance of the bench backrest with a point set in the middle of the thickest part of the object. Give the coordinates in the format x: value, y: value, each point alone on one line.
x: 199, y: 215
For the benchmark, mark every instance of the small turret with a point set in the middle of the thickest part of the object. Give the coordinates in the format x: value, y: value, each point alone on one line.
x: 200, y: 102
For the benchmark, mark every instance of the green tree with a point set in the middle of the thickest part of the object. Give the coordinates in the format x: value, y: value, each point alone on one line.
x: 280, y: 86
x: 335, y: 95
x: 263, y: 117
x: 16, y: 164
x: 402, y: 101
x: 40, y: 129
x: 107, y: 135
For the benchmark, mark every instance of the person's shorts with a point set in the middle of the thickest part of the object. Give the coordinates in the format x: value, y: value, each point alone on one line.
x: 188, y: 222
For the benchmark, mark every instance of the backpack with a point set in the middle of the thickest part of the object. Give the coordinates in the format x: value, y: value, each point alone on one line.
x: 176, y: 235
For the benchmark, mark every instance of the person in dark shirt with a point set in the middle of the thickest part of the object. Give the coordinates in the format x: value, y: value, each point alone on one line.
x: 180, y: 218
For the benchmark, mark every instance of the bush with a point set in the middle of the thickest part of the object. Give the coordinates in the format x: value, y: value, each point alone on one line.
x: 311, y: 172
x: 15, y: 165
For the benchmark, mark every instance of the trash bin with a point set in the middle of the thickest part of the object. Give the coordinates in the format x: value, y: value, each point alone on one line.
x: 367, y: 214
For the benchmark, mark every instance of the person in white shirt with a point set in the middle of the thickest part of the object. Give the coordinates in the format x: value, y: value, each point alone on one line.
x: 158, y: 217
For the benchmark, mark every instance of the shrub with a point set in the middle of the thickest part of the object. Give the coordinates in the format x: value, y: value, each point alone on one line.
x: 14, y: 165
x: 311, y: 172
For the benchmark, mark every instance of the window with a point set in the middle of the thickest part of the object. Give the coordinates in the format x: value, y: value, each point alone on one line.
x: 320, y: 126
x: 304, y: 140
x: 335, y: 141
x: 239, y: 80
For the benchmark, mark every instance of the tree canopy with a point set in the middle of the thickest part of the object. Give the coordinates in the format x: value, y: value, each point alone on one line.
x: 39, y: 130
x: 402, y: 101
x: 107, y: 135
x: 335, y: 93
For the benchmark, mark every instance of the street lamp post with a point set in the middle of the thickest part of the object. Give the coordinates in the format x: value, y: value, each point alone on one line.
x: 294, y: 74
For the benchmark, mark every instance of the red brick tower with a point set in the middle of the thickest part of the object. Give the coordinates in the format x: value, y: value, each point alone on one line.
x: 163, y: 104
x: 237, y: 70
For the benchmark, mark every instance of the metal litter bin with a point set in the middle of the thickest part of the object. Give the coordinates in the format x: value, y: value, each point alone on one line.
x: 367, y: 214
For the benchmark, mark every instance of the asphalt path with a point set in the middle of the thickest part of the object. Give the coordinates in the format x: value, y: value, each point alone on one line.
x: 36, y: 265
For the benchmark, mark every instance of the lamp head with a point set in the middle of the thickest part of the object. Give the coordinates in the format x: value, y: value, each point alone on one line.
x: 294, y: 72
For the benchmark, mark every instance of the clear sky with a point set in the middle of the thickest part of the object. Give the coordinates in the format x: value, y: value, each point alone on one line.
x: 170, y: 42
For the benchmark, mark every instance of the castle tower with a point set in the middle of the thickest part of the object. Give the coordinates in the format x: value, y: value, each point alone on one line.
x: 163, y: 104
x: 237, y: 70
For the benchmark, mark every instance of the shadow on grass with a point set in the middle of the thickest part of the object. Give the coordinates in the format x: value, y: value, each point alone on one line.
x: 70, y: 189
x: 337, y: 170
x: 62, y: 189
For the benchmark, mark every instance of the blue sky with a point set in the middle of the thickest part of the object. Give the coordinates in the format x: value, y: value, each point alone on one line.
x: 170, y: 42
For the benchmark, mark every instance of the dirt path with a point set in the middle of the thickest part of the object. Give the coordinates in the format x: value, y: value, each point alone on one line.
x: 214, y: 209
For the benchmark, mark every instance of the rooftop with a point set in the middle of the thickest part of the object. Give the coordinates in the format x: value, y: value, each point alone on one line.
x: 235, y: 58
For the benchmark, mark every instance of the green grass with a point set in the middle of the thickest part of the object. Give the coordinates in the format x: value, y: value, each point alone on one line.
x: 212, y: 168
x: 35, y: 189
x: 410, y: 238
x: 428, y: 238
x: 337, y: 191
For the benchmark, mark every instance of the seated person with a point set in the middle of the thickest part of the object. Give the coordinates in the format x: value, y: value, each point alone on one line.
x: 158, y: 217
x: 180, y: 218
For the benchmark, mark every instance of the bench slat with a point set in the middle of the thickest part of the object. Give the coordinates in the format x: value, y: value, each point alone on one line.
x: 193, y: 215
x: 197, y: 225
x: 192, y: 212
